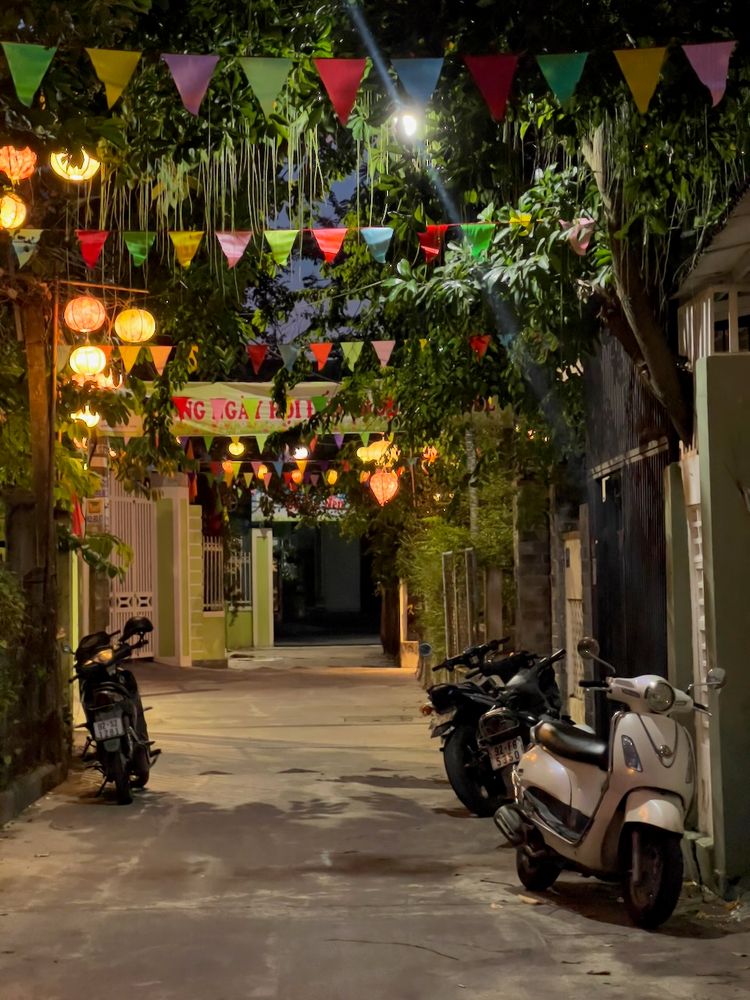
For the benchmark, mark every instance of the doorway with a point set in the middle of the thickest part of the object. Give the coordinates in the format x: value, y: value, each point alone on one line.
x: 323, y: 588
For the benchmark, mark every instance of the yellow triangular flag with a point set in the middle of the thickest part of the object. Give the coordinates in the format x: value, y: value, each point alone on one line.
x: 236, y: 466
x: 641, y: 69
x: 160, y: 356
x: 248, y: 477
x: 192, y: 363
x: 114, y: 68
x: 129, y: 356
x: 423, y: 343
x: 302, y: 464
x: 186, y: 245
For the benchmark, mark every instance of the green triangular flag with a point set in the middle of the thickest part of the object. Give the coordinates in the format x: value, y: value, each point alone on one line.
x: 562, y: 72
x: 267, y: 78
x: 281, y: 242
x: 27, y: 64
x: 352, y: 350
x: 319, y: 402
x: 365, y: 435
x: 139, y: 245
x: 478, y: 235
x: 208, y: 440
x: 250, y: 406
x: 248, y: 477
x: 261, y: 439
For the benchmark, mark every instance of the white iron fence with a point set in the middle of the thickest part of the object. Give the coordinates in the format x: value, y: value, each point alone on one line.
x: 219, y: 587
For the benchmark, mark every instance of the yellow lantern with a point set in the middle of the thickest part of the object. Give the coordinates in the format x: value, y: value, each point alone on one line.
x: 331, y: 477
x: 135, y: 326
x: 384, y: 486
x: 18, y: 164
x: 262, y: 471
x: 236, y: 447
x: 87, y: 416
x: 78, y: 168
x: 88, y: 360
x: 13, y: 211
x: 297, y: 476
x: 84, y: 314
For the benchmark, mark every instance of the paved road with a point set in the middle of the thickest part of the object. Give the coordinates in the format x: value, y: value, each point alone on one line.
x: 299, y: 842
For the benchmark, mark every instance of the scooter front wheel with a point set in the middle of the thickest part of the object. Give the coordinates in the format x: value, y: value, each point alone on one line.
x: 119, y: 774
x: 654, y: 881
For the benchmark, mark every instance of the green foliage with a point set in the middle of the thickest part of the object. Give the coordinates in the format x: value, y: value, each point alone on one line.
x: 104, y: 552
x: 13, y: 617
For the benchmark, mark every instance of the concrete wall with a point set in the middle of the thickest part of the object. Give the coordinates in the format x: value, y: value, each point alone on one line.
x: 723, y: 419
x: 532, y: 568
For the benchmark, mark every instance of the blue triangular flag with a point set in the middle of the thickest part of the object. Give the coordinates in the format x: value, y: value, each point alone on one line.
x: 418, y: 77
x: 378, y: 239
x: 279, y: 467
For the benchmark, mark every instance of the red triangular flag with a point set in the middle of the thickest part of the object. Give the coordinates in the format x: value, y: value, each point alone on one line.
x: 493, y: 76
x: 383, y: 349
x: 321, y: 352
x: 431, y: 241
x: 480, y: 343
x: 234, y: 244
x: 257, y: 354
x: 78, y: 521
x: 329, y: 241
x: 92, y: 243
x: 180, y: 403
x: 341, y: 78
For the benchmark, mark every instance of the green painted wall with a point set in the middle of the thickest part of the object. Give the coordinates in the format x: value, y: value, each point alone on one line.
x: 679, y: 612
x: 263, y: 588
x: 207, y: 629
x: 240, y: 630
x: 165, y: 577
x: 723, y: 413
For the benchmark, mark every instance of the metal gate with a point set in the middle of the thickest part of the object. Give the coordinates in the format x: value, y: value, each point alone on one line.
x: 574, y: 626
x: 700, y: 666
x: 132, y: 519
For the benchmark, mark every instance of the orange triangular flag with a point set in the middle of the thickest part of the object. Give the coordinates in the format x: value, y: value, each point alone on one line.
x: 160, y: 356
x: 321, y: 352
x: 329, y: 241
x: 129, y: 356
x: 641, y: 69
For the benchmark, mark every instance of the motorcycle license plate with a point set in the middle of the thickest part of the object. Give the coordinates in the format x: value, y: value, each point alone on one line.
x: 506, y: 753
x: 105, y: 729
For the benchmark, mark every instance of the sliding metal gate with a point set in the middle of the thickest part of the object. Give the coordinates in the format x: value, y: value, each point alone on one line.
x: 132, y: 519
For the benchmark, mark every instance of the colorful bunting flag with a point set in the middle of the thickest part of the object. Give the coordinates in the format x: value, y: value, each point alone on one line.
x: 383, y: 349
x: 261, y: 441
x: 320, y: 403
x: 278, y: 467
x: 192, y: 75
x: 341, y: 79
x: 562, y: 72
x: 180, y: 404
x: 281, y: 242
x: 92, y: 243
x: 106, y: 350
x: 25, y: 243
x: 431, y: 241
x: 27, y: 65
x: 218, y: 406
x: 302, y: 464
x: 234, y: 244
x: 321, y: 352
x: 365, y: 436
x: 250, y: 406
x: 160, y: 356
x: 641, y: 69
x: 352, y: 350
x: 129, y: 356
x: 257, y: 354
x: 378, y: 239
x: 711, y: 64
x: 289, y: 354
x: 114, y: 67
x: 186, y: 245
x: 339, y: 439
x: 248, y: 477
x: 329, y: 241
x: 493, y: 75
x: 139, y: 245
x: 418, y: 77
x: 479, y: 344
x: 208, y: 440
x: 579, y: 233
x: 478, y: 235
x: 523, y: 220
x: 267, y: 77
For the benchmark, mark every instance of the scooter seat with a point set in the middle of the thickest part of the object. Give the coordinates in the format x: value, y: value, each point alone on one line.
x: 572, y: 743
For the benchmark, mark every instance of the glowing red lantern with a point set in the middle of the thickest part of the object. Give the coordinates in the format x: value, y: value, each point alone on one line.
x: 18, y: 164
x: 384, y: 485
x: 84, y: 314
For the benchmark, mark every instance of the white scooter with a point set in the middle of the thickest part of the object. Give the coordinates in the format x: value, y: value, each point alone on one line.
x: 614, y: 809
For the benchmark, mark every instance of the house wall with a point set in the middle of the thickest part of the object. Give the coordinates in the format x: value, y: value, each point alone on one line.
x: 207, y: 628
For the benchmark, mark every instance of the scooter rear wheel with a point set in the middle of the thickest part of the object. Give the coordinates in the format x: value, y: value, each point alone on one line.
x: 652, y: 899
x: 536, y: 874
x: 465, y: 773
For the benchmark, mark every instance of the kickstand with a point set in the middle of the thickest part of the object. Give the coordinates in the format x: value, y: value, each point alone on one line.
x: 101, y: 788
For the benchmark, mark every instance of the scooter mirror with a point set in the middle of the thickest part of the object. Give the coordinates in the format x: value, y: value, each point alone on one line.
x: 425, y: 649
x: 716, y: 678
x: 588, y: 648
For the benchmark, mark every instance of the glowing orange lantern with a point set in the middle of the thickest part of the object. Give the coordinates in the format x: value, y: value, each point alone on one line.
x: 18, y: 164
x: 84, y: 314
x: 88, y: 360
x: 262, y: 471
x: 13, y: 211
x: 384, y: 486
x: 297, y: 476
x: 331, y: 477
x: 364, y: 477
x: 74, y: 168
x: 135, y: 326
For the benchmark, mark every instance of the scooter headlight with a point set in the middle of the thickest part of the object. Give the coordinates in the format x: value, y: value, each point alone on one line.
x: 660, y: 696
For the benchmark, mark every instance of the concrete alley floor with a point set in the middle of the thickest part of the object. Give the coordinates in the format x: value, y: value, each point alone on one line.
x: 299, y: 842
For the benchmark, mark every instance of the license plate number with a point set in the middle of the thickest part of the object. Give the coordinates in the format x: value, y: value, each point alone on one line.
x: 105, y: 729
x: 506, y: 753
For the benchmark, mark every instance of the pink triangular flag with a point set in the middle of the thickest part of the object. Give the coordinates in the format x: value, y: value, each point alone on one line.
x: 579, y: 233
x: 192, y: 75
x: 160, y: 356
x: 339, y: 439
x: 329, y: 241
x: 383, y: 349
x: 92, y: 243
x: 321, y: 352
x: 234, y: 244
x: 711, y: 64
x: 341, y: 78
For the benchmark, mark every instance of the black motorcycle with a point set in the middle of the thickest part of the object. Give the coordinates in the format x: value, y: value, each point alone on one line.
x: 480, y: 777
x: 118, y: 743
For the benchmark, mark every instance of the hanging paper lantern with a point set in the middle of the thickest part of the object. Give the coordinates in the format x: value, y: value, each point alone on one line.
x: 364, y: 477
x: 262, y: 471
x: 78, y: 168
x: 88, y: 360
x: 300, y: 453
x: 18, y: 164
x: 236, y: 447
x: 87, y: 416
x: 135, y: 326
x: 13, y: 211
x: 331, y: 477
x: 84, y: 314
x: 297, y: 476
x: 384, y: 486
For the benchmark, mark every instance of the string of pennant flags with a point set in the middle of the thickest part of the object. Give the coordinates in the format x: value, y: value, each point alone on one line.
x: 328, y: 241
x: 493, y: 74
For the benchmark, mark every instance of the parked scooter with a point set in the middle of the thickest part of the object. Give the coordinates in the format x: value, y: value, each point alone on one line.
x: 612, y: 808
x: 480, y: 782
x: 118, y: 740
